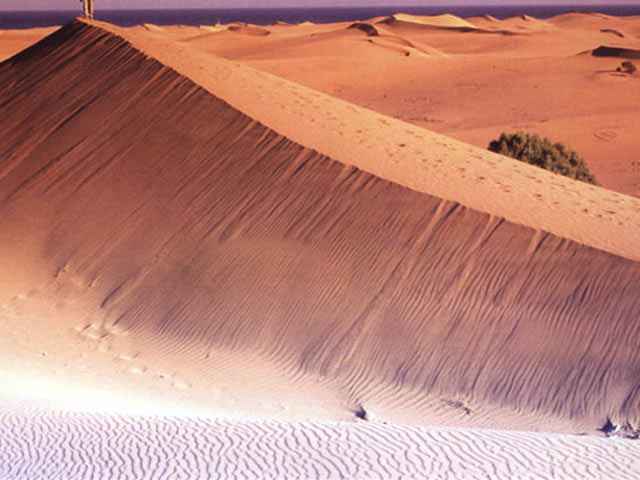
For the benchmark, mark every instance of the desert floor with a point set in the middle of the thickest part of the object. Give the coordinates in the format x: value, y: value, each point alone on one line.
x: 285, y: 251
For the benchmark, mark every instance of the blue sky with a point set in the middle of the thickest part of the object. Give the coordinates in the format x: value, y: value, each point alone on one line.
x: 148, y: 4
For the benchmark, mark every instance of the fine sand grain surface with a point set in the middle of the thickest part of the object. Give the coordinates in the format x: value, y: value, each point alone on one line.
x: 187, y: 235
x: 70, y: 446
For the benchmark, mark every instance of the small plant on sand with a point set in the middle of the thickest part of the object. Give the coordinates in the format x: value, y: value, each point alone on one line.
x: 541, y: 152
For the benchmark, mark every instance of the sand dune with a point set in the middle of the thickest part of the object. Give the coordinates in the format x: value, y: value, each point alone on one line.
x: 410, y: 24
x: 582, y: 19
x: 13, y: 41
x: 367, y: 28
x: 483, y: 18
x: 249, y: 30
x: 442, y: 21
x: 526, y: 76
x: 63, y: 445
x: 605, y: 51
x: 177, y: 210
x: 153, y: 28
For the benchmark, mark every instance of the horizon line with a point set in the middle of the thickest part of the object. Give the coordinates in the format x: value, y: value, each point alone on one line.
x: 555, y: 5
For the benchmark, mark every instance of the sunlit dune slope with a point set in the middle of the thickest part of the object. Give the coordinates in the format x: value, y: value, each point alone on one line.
x: 181, y: 218
x: 439, y: 21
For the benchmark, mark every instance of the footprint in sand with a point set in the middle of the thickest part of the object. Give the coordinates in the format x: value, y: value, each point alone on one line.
x: 61, y: 271
x: 128, y: 357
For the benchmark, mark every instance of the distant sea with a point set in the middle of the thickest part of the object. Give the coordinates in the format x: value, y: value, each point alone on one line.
x: 125, y: 18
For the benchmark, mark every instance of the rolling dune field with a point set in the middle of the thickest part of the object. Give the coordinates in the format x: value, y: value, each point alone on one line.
x: 470, y: 78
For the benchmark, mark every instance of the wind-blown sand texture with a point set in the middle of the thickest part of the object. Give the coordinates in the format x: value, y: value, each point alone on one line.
x: 183, y: 233
x: 63, y: 446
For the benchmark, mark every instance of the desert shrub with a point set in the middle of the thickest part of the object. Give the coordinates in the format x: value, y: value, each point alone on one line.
x: 541, y: 152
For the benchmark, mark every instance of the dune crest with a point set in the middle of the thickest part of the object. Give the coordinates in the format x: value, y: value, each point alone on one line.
x: 448, y: 169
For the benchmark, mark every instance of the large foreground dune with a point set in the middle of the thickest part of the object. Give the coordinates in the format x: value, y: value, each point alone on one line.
x: 183, y: 233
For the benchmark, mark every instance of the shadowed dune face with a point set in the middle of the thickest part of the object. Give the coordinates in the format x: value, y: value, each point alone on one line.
x: 604, y: 51
x: 370, y: 30
x: 189, y: 221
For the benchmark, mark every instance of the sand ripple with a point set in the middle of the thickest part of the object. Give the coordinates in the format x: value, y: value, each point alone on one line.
x: 48, y: 445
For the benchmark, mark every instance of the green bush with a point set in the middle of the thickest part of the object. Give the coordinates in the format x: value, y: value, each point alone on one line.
x: 541, y: 152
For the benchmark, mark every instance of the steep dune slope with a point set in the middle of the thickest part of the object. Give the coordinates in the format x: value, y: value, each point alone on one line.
x: 181, y: 220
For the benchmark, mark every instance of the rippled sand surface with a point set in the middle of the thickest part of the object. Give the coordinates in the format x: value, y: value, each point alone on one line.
x: 73, y: 446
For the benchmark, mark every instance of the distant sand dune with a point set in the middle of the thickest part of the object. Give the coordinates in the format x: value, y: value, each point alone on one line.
x: 182, y: 219
x: 79, y: 446
x: 391, y: 41
x: 153, y: 28
x: 444, y: 21
x: 370, y: 30
x: 249, y: 30
x: 619, y: 52
x: 483, y: 18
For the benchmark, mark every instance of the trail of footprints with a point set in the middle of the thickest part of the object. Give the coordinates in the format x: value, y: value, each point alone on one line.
x: 106, y: 334
x: 50, y: 445
x: 103, y: 334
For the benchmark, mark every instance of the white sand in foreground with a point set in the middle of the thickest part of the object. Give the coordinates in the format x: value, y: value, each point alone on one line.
x: 68, y: 446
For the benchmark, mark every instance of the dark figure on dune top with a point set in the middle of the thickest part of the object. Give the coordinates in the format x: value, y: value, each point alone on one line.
x: 87, y: 6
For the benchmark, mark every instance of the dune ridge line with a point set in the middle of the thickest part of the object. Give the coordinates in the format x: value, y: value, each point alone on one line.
x: 410, y: 155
